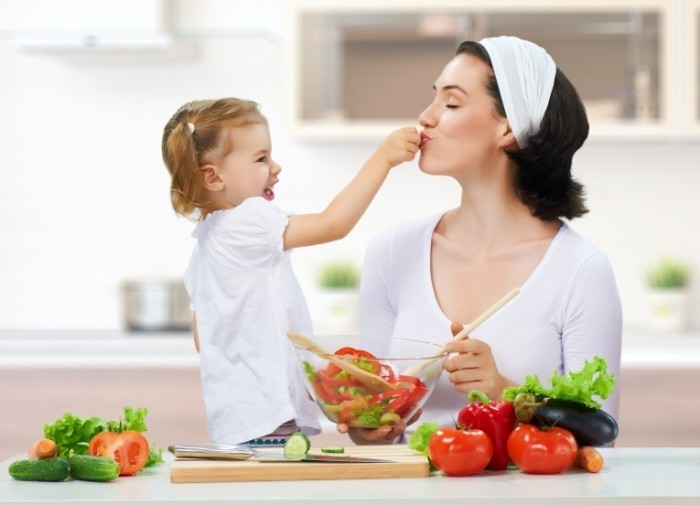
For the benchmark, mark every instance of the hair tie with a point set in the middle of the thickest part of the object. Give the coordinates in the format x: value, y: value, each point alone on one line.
x: 525, y: 75
x: 191, y: 127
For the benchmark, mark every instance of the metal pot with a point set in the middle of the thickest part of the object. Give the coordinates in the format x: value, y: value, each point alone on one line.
x: 156, y: 305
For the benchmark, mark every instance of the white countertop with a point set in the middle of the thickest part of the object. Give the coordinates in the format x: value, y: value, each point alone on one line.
x: 89, y: 348
x: 659, y: 475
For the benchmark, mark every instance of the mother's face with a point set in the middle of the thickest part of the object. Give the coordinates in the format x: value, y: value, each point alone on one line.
x: 461, y: 124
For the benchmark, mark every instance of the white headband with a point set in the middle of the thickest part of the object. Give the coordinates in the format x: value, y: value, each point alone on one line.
x: 525, y: 75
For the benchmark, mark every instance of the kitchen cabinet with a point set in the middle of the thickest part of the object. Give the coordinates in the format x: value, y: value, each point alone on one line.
x: 633, y: 475
x: 359, y: 68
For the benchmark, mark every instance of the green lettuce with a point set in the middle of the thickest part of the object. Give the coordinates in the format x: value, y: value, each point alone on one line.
x: 418, y: 441
x: 592, y: 380
x: 371, y: 416
x: 72, y: 434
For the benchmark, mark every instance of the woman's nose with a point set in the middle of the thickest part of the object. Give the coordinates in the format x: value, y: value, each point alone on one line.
x: 426, y: 119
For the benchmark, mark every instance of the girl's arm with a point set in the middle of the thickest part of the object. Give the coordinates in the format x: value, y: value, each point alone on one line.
x: 343, y: 213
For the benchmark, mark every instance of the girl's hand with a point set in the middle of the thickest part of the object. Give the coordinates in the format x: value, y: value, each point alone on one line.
x: 400, y: 146
x: 474, y: 367
x: 381, y: 435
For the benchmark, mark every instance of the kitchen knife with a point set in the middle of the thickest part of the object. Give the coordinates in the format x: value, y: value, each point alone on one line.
x: 241, y: 452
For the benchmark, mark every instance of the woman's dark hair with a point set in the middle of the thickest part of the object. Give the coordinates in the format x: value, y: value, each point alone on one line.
x: 543, y: 180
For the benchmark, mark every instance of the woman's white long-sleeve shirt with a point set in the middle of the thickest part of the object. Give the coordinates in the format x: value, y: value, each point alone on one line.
x: 246, y: 297
x: 567, y: 311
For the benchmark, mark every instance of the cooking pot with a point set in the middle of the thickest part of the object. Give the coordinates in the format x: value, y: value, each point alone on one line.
x: 156, y: 305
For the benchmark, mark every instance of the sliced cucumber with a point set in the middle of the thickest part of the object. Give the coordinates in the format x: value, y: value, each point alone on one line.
x: 333, y: 449
x: 298, y: 444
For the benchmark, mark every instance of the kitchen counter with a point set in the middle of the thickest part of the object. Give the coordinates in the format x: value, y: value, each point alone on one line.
x: 639, y: 475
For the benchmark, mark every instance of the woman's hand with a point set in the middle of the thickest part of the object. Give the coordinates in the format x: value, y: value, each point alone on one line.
x: 474, y: 367
x: 381, y: 435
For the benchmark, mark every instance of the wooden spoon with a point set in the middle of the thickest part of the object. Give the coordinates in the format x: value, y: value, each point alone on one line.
x: 368, y: 379
x: 418, y: 367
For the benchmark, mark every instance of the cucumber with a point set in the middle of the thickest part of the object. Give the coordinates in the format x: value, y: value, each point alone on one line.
x: 93, y: 468
x: 333, y: 449
x: 46, y: 470
x: 298, y: 444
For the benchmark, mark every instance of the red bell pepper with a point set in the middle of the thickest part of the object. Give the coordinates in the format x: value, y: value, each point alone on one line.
x: 496, y: 419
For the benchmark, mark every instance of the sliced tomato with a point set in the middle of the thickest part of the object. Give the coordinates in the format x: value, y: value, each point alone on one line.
x: 128, y: 448
x: 409, y: 379
x: 343, y: 351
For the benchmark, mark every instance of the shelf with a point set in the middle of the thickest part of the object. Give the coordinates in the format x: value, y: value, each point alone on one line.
x: 620, y: 54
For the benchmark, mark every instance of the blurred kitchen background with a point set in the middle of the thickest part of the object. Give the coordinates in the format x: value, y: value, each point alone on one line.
x: 92, y: 250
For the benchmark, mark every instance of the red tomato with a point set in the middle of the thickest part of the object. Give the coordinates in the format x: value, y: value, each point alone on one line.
x: 545, y: 451
x: 354, y: 352
x: 460, y: 452
x: 128, y: 448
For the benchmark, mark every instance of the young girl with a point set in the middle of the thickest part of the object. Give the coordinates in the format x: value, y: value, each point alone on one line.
x: 244, y: 293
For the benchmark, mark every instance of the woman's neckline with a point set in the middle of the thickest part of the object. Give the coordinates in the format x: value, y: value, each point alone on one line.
x: 427, y: 259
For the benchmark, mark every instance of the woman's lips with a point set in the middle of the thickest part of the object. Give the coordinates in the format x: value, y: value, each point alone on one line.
x: 424, y: 139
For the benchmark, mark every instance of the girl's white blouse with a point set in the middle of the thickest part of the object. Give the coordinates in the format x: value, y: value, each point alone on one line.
x: 246, y: 297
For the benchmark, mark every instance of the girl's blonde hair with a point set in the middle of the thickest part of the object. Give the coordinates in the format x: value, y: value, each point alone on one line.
x: 197, y: 134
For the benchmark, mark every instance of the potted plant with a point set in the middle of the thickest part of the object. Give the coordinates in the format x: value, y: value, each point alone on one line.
x: 668, y: 282
x: 338, y: 281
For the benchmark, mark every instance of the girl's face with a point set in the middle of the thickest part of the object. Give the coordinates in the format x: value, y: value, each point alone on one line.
x: 248, y: 170
x: 461, y: 130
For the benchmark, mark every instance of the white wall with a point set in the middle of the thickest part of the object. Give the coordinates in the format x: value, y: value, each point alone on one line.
x: 84, y: 196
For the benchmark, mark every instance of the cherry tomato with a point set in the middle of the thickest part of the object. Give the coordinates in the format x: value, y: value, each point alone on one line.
x: 545, y: 451
x: 128, y: 448
x: 460, y: 452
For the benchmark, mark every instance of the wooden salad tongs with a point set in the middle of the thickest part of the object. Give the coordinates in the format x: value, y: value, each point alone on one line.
x: 377, y: 383
x: 464, y: 333
x: 368, y: 379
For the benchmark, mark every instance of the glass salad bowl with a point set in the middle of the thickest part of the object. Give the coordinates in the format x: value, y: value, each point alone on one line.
x: 406, y: 379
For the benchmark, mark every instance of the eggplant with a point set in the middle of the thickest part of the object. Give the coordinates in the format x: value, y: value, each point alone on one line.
x: 589, y: 426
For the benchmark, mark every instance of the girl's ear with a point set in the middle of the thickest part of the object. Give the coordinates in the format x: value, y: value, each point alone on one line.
x: 211, y: 179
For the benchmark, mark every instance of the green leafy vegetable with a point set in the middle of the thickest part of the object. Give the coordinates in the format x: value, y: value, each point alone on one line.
x: 155, y: 456
x: 309, y: 371
x: 370, y: 417
x: 72, y: 434
x: 592, y: 380
x: 420, y: 438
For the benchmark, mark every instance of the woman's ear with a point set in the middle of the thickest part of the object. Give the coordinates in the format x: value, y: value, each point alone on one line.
x: 507, y: 138
x: 211, y: 179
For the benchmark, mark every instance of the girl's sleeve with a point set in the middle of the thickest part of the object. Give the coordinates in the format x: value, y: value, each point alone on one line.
x: 593, y: 322
x: 253, y: 234
x: 377, y: 315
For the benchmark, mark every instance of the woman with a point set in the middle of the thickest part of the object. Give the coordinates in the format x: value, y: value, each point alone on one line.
x: 504, y: 124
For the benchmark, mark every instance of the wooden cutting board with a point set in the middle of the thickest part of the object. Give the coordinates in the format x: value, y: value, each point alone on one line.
x: 405, y: 462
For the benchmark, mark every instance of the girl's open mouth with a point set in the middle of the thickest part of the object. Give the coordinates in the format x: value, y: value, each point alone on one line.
x: 269, y: 193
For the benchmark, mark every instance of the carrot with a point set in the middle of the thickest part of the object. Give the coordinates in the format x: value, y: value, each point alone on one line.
x: 589, y: 459
x: 42, y: 449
